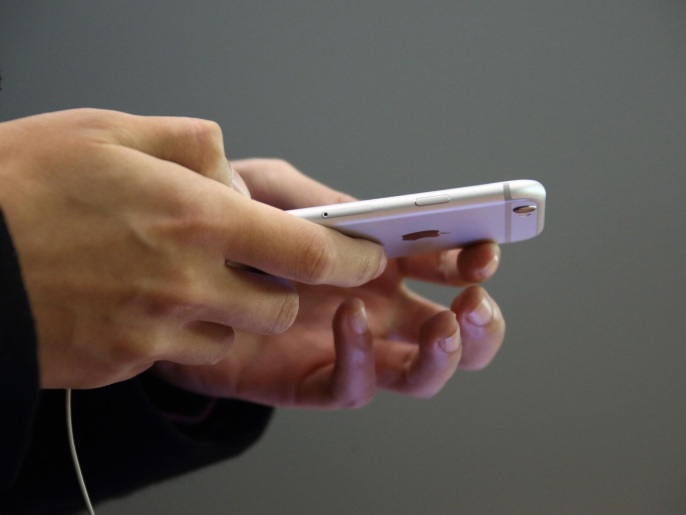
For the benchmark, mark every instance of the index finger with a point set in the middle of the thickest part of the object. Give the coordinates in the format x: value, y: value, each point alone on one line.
x: 281, y: 244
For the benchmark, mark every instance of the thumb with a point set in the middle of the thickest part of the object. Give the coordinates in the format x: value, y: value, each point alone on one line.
x: 237, y: 182
x: 279, y: 184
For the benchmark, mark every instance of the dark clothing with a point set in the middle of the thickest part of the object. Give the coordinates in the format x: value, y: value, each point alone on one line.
x: 127, y: 435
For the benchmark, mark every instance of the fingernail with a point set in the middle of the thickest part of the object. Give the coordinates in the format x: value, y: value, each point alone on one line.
x: 382, y: 266
x: 238, y: 184
x: 359, y: 322
x: 451, y: 343
x: 492, y: 266
x: 482, y: 314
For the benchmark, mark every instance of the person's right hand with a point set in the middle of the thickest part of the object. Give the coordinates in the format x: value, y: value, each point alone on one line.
x: 123, y: 226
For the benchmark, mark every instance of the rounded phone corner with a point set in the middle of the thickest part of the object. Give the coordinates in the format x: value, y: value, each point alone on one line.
x: 527, y: 189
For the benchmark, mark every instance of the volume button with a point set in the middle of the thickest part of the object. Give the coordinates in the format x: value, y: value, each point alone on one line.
x: 435, y: 199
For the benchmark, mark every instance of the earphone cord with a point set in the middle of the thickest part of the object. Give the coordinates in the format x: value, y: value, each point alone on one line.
x: 75, y: 458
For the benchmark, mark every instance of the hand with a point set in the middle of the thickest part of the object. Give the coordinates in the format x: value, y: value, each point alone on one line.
x: 347, y: 342
x: 123, y: 226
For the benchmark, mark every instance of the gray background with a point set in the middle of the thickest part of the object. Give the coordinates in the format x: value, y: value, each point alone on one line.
x: 583, y: 410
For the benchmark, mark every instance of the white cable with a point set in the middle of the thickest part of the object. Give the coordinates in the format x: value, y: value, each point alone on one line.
x: 75, y: 458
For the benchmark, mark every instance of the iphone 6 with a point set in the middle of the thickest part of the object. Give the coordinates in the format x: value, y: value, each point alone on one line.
x: 502, y: 212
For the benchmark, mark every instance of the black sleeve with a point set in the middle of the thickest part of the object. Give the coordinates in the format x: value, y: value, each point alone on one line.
x: 18, y: 366
x: 127, y: 435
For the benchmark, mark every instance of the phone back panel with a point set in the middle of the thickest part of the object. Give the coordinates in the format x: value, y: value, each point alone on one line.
x: 426, y: 222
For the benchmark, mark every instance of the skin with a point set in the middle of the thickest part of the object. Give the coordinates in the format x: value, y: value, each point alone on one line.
x: 347, y: 342
x: 123, y: 227
x: 138, y: 247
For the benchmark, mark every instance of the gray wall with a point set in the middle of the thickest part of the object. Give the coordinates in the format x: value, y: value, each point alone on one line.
x: 583, y: 410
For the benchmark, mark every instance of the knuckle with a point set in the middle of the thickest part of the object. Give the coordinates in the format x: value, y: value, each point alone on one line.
x: 173, y: 295
x: 317, y: 263
x: 86, y: 126
x: 90, y: 117
x: 103, y: 124
x: 370, y: 262
x: 204, y: 130
x: 206, y: 145
x: 362, y: 263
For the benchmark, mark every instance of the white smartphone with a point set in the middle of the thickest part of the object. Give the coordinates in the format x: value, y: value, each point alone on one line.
x: 503, y: 212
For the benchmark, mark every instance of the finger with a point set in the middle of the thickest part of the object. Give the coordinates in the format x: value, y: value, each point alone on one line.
x: 458, y: 267
x: 202, y: 343
x: 422, y: 370
x: 482, y: 326
x: 412, y: 312
x: 190, y: 142
x: 139, y: 346
x: 227, y: 226
x: 265, y: 304
x: 354, y: 378
x: 281, y: 244
x: 279, y: 184
x: 238, y: 184
x: 348, y: 382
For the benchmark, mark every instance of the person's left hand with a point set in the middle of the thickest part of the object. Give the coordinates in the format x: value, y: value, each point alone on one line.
x: 347, y: 342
